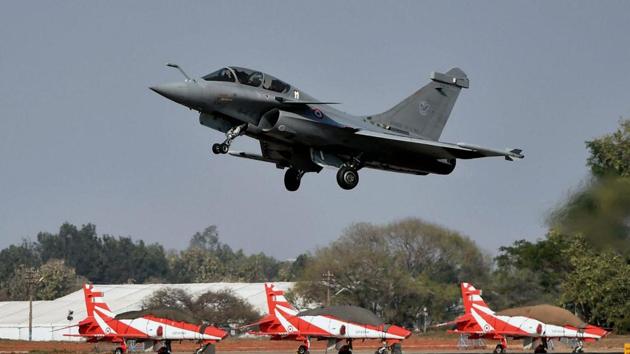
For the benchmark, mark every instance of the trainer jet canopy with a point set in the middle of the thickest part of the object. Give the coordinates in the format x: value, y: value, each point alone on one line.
x: 302, y: 134
x: 540, y: 323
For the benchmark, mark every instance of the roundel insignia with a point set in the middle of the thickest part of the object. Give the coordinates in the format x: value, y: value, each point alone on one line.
x: 486, y: 328
x: 108, y: 330
x: 318, y: 113
x: 424, y: 107
x: 290, y: 329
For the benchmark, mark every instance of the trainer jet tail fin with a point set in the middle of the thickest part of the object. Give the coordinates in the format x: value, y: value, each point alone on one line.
x: 275, y: 299
x: 94, y: 301
x: 472, y: 297
x: 425, y: 113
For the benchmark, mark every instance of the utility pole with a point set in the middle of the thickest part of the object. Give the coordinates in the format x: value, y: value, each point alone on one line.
x: 31, y: 277
x: 328, y: 276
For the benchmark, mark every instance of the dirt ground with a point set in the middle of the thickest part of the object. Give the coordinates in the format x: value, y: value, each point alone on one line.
x: 415, y: 344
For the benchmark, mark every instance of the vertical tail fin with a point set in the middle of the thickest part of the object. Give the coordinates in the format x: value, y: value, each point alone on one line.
x: 472, y: 297
x: 424, y: 114
x: 93, y: 300
x: 275, y: 298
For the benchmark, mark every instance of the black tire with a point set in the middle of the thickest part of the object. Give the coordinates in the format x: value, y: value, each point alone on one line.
x: 499, y: 349
x: 347, y: 178
x: 216, y: 148
x: 292, y: 180
x: 225, y: 148
x: 302, y: 350
x: 397, y: 348
x: 118, y: 350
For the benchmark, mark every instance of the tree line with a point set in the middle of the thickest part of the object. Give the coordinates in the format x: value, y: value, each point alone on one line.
x: 404, y: 271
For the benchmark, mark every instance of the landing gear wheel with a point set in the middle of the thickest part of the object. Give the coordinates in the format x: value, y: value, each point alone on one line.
x: 396, y: 348
x: 118, y: 350
x: 216, y: 148
x: 302, y: 350
x: 345, y: 349
x: 292, y: 180
x: 224, y: 148
x: 206, y: 349
x: 347, y: 178
x: 499, y: 349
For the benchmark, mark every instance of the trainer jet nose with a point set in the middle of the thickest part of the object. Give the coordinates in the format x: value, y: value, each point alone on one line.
x: 185, y: 93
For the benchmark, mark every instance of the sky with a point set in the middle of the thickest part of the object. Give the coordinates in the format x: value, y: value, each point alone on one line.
x: 83, y: 139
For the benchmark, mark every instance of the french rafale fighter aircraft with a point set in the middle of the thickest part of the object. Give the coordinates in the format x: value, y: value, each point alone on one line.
x: 303, y: 134
x: 156, y: 328
x: 339, y: 325
x: 532, y: 323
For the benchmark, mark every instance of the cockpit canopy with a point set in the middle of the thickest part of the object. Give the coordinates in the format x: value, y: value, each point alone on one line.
x: 249, y: 77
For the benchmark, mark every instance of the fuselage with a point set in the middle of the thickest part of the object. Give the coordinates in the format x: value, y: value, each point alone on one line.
x: 316, y: 133
x: 148, y: 328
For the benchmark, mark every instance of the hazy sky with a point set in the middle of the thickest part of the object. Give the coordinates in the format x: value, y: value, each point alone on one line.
x: 83, y: 140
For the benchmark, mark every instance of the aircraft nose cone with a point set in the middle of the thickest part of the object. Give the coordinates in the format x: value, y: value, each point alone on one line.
x: 177, y: 91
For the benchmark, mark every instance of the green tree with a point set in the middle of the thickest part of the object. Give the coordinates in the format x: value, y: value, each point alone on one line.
x: 196, y: 266
x: 15, y: 255
x: 17, y: 286
x: 395, y: 269
x: 530, y: 272
x: 222, y: 307
x: 57, y: 280
x: 599, y: 287
x: 610, y: 154
x: 600, y: 209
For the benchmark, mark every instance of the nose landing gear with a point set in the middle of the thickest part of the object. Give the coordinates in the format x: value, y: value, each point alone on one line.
x: 230, y: 135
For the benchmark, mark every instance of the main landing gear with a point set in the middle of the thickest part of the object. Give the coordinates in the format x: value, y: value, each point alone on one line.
x: 304, y: 348
x: 542, y: 347
x: 206, y: 349
x: 292, y: 179
x: 346, y: 348
x: 395, y: 348
x: 348, y: 175
x: 230, y: 135
x: 499, y: 349
x: 579, y: 347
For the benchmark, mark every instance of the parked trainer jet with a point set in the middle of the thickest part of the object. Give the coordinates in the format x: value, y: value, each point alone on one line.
x: 303, y: 134
x: 339, y: 325
x: 531, y: 323
x: 154, y: 327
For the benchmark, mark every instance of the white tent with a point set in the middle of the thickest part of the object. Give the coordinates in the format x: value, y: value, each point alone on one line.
x: 49, y: 317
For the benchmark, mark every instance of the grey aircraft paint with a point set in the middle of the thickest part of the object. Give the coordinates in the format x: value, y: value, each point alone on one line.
x: 302, y: 134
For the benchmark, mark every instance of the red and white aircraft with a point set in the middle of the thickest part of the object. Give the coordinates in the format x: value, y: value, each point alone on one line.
x: 479, y: 321
x: 340, y: 325
x: 101, y: 324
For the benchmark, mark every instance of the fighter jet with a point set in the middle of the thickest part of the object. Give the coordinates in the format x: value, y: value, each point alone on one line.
x: 532, y: 323
x: 154, y: 327
x: 339, y: 325
x: 303, y: 134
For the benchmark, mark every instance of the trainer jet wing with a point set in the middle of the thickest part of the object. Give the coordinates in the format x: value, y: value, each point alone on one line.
x: 539, y: 323
x: 157, y: 327
x: 339, y: 325
x: 302, y: 134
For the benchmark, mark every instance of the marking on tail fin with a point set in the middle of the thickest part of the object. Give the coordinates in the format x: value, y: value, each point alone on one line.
x: 423, y: 108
